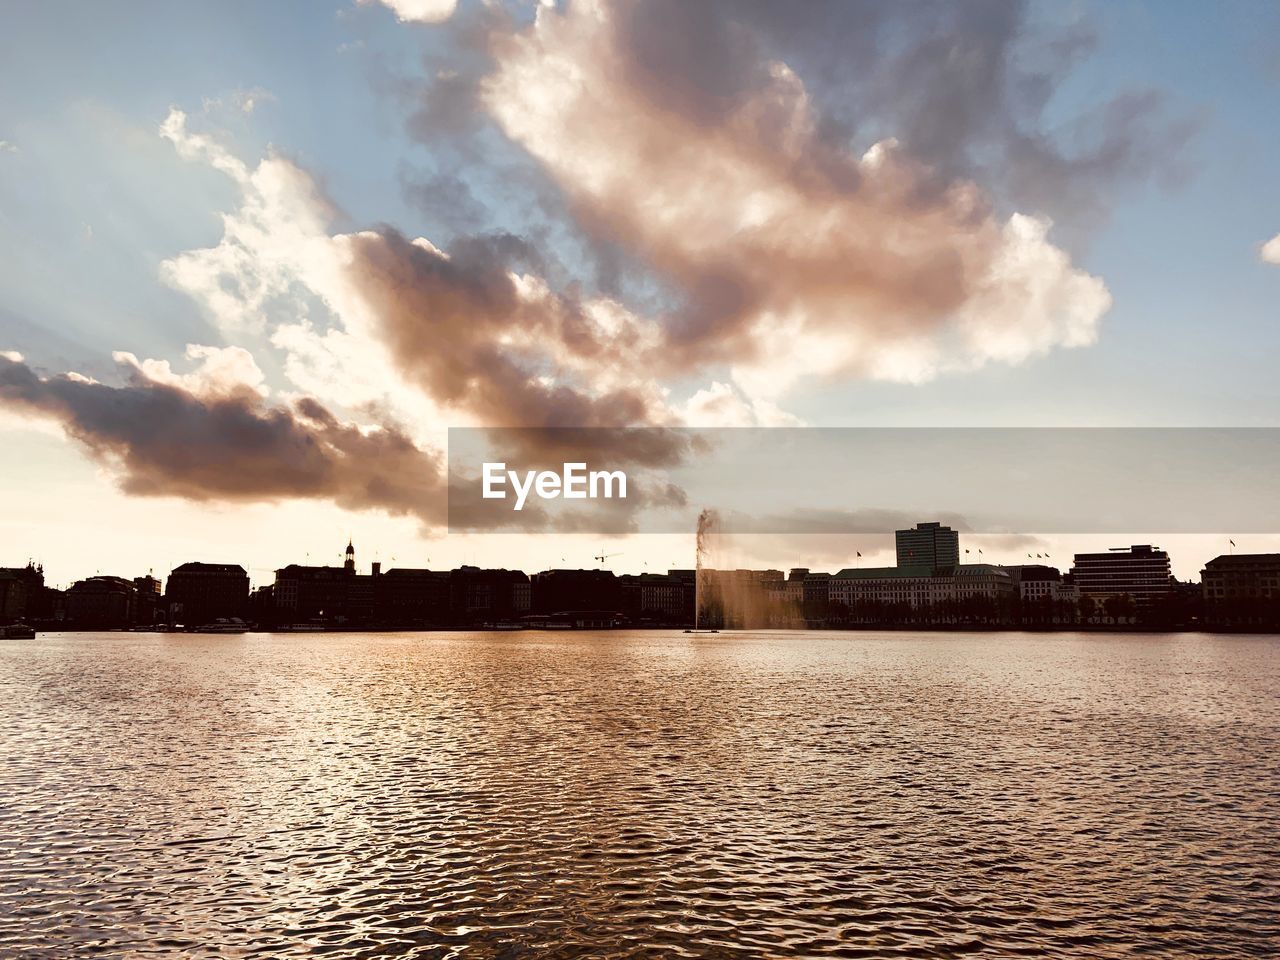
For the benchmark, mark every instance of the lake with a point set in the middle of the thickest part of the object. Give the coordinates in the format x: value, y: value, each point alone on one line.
x: 639, y: 794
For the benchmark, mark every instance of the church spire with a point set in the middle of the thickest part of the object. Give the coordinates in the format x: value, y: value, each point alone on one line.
x: 350, y: 564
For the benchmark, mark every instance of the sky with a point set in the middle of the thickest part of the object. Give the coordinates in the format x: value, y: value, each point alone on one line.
x: 256, y: 259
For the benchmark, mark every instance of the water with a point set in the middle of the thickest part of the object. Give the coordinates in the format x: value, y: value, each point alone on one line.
x: 506, y: 795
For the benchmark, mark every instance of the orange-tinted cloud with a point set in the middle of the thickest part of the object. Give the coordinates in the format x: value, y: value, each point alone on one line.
x: 164, y: 440
x: 1270, y: 252
x: 793, y: 256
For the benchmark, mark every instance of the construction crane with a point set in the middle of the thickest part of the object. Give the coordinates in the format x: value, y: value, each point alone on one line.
x: 602, y: 557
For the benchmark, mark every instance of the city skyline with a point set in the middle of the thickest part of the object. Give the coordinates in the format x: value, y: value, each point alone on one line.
x: 925, y: 545
x: 636, y: 478
x: 454, y: 239
x: 932, y: 584
x: 877, y: 551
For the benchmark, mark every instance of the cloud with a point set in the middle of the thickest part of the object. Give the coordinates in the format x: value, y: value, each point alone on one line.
x: 1270, y: 252
x: 279, y: 275
x: 724, y: 405
x: 222, y: 372
x: 383, y: 325
x: 472, y: 335
x: 162, y: 439
x: 418, y: 11
x: 966, y: 89
x: 243, y: 99
x: 792, y: 257
x: 774, y: 251
x: 7, y: 147
x: 479, y: 337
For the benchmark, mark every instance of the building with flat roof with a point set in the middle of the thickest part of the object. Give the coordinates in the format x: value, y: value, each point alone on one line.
x: 1244, y: 576
x: 659, y: 596
x: 920, y: 585
x: 102, y: 602
x: 1242, y: 590
x: 928, y: 545
x: 1140, y: 572
x: 1037, y: 583
x: 199, y: 593
x: 411, y: 595
x: 491, y: 594
x: 564, y: 589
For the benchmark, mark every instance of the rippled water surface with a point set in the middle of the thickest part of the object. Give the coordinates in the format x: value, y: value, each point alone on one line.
x: 646, y: 794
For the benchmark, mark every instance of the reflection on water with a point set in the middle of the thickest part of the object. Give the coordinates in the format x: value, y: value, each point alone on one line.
x: 500, y: 795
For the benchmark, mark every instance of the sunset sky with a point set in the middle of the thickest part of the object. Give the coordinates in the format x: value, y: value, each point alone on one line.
x: 257, y: 258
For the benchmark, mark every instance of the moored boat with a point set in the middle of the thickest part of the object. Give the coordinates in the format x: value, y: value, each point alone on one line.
x: 223, y: 625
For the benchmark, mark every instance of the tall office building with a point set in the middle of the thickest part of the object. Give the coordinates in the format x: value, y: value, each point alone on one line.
x: 929, y: 545
x: 1141, y: 571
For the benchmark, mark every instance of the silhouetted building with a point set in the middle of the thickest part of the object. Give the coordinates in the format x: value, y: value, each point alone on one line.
x: 304, y: 593
x: 476, y: 595
x: 558, y: 590
x: 262, y: 608
x: 1244, y: 576
x: 409, y: 596
x: 13, y: 596
x: 102, y: 603
x: 148, y: 600
x: 659, y: 597
x: 360, y: 592
x: 1242, y: 590
x: 929, y: 545
x: 198, y: 593
x: 24, y: 596
x: 1140, y: 572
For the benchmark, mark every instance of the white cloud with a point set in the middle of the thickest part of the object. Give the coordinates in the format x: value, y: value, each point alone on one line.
x: 243, y: 99
x: 877, y: 272
x: 201, y: 147
x: 1271, y: 250
x: 220, y: 371
x: 278, y: 274
x: 724, y: 405
x: 7, y: 147
x: 417, y: 11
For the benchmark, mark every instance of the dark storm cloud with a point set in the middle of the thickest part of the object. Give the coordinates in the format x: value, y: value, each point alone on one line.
x: 168, y: 442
